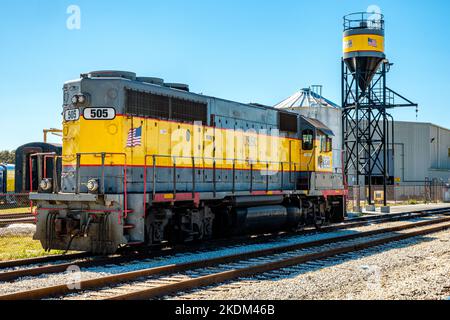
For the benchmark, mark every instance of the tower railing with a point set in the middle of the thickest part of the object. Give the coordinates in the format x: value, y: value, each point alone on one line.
x: 364, y: 20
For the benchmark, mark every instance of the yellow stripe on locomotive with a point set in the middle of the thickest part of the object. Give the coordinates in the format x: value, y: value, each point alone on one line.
x: 181, y: 141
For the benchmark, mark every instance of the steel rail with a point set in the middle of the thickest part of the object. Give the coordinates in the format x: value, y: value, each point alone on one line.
x: 55, y: 268
x: 213, y: 244
x: 8, y: 222
x: 44, y: 259
x: 16, y: 215
x: 60, y: 290
x: 217, y: 278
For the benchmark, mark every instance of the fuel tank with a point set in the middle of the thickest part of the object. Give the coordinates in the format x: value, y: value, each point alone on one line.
x: 248, y: 201
x: 266, y: 218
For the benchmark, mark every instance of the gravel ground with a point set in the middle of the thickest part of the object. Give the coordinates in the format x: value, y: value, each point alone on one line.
x: 145, y: 282
x: 19, y: 229
x: 415, y: 269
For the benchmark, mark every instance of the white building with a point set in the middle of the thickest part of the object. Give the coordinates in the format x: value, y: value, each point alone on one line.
x: 421, y: 152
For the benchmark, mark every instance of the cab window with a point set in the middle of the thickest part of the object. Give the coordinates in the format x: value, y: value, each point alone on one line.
x: 329, y: 144
x: 307, y: 140
x: 325, y: 143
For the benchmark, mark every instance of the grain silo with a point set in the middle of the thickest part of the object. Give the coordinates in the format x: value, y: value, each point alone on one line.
x: 310, y: 103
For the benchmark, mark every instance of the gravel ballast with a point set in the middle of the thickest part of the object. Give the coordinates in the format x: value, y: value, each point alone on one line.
x: 18, y: 229
x: 28, y: 283
x: 416, y: 269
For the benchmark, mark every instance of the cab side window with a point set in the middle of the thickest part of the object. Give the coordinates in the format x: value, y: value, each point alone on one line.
x: 307, y: 140
x: 325, y: 143
x: 329, y: 144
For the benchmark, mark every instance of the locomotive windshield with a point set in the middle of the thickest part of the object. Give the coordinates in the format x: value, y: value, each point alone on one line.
x: 307, y: 138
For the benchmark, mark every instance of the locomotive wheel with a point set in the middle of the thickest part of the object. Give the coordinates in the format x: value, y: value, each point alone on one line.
x: 302, y: 224
x: 319, y: 218
x: 300, y: 227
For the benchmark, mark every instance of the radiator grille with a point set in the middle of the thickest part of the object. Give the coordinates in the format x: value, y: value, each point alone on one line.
x: 162, y: 107
x: 147, y: 104
x: 191, y: 111
x: 287, y: 122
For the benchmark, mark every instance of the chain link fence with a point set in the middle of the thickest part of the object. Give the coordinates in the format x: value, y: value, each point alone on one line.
x: 17, y: 226
x: 11, y: 203
x: 399, y: 194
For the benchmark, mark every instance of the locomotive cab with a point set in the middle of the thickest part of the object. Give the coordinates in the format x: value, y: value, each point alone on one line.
x: 317, y: 158
x: 316, y: 146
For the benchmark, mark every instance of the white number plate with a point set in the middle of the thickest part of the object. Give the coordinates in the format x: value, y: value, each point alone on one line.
x: 99, y: 113
x: 72, y: 115
x: 325, y: 164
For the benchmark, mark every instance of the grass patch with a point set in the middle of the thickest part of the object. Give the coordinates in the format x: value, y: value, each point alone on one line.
x: 22, y: 247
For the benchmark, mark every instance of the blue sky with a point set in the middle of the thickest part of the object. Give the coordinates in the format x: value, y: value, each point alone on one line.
x: 247, y: 50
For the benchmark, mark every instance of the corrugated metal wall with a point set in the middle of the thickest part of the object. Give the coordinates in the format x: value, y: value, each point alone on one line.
x: 421, y: 151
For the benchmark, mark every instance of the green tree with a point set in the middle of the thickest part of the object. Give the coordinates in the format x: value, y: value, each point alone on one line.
x: 8, y: 156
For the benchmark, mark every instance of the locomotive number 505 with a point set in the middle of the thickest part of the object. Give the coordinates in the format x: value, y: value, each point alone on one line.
x: 99, y: 113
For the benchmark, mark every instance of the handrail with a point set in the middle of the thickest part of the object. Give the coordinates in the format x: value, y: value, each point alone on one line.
x: 231, y: 160
x: 195, y: 160
x: 38, y: 156
x: 55, y: 158
x: 102, y: 186
x: 364, y: 20
x: 176, y: 161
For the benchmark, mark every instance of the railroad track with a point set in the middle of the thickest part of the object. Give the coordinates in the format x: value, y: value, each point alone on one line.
x: 44, y: 259
x: 7, y: 222
x: 60, y: 263
x: 14, y: 218
x: 169, y: 279
x: 27, y: 268
x: 16, y: 215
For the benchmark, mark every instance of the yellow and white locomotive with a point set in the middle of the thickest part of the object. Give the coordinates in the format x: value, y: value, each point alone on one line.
x: 146, y: 162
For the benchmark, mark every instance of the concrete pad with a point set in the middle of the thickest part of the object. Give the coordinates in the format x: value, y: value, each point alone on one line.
x: 357, y: 210
x: 407, y: 208
x: 385, y: 209
x: 419, y: 207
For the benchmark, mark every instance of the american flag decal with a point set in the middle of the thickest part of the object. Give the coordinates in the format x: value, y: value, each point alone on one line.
x: 134, y: 137
x: 348, y: 44
x: 372, y: 42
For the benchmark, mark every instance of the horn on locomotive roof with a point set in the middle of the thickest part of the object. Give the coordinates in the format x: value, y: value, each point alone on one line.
x: 179, y: 86
x: 151, y: 80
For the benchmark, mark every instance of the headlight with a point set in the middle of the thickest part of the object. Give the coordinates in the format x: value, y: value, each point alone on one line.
x: 92, y: 185
x: 45, y: 184
x: 81, y: 98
